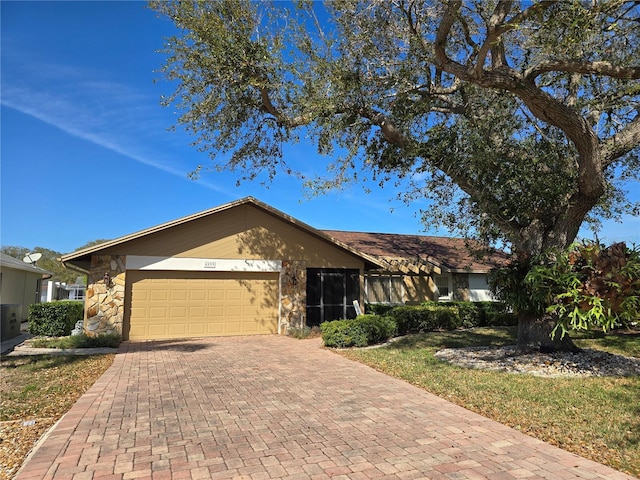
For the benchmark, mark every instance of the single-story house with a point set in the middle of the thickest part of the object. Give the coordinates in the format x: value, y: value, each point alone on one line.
x: 20, y: 285
x: 243, y: 268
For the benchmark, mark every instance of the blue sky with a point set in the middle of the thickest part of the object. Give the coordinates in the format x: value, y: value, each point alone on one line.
x: 85, y: 148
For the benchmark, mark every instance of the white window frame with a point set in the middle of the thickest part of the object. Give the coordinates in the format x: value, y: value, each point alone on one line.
x: 449, y: 277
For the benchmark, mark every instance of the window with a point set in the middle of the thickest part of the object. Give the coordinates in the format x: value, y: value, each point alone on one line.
x: 330, y: 294
x: 442, y: 284
x: 384, y: 289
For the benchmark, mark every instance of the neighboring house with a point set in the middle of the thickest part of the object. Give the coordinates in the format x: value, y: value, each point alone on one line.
x: 62, y: 291
x: 243, y: 268
x: 462, y: 276
x: 20, y: 285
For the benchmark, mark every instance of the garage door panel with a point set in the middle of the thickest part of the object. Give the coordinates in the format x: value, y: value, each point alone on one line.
x: 178, y: 294
x: 191, y: 304
x: 196, y: 311
x: 178, y: 312
x: 196, y: 329
x: 159, y: 295
x: 158, y: 312
x: 216, y: 294
x: 158, y: 331
x: 178, y: 329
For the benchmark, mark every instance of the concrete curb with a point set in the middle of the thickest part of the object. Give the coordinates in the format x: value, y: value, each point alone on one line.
x: 24, y: 350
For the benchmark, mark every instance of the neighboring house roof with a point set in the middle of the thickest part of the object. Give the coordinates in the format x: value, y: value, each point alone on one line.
x: 451, y: 254
x: 80, y: 258
x: 7, y: 261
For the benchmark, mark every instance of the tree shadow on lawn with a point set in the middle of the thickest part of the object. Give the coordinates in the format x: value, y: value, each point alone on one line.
x: 40, y: 362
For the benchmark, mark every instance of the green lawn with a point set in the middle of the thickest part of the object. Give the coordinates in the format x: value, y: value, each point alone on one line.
x: 597, y: 418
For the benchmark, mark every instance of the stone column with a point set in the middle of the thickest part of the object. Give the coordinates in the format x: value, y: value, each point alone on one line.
x: 104, y: 303
x: 461, y: 287
x: 293, y: 289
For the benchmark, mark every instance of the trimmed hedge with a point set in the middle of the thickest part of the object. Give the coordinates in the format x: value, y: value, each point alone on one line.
x: 378, y: 308
x: 371, y: 329
x: 54, y: 319
x: 424, y: 318
x: 482, y: 314
x: 361, y: 331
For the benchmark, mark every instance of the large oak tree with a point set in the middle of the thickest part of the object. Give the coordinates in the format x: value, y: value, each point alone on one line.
x: 519, y: 119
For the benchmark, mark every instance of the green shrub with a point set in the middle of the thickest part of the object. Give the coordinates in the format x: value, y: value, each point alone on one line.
x: 424, y: 318
x: 480, y: 314
x: 55, y: 319
x: 377, y: 329
x: 361, y: 331
x: 468, y: 312
x: 110, y: 340
x: 343, y: 334
x: 378, y: 308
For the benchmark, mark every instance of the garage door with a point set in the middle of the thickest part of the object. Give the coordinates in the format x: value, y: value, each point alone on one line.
x: 164, y: 305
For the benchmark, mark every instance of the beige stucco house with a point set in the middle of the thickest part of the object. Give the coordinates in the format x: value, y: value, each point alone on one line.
x: 20, y: 285
x: 243, y: 268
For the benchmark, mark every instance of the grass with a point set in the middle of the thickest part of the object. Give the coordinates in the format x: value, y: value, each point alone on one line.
x: 34, y: 393
x: 597, y: 418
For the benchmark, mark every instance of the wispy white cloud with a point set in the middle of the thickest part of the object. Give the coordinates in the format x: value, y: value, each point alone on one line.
x: 108, y: 114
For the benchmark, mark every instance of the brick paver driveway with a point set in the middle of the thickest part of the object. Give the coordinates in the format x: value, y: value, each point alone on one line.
x: 275, y: 407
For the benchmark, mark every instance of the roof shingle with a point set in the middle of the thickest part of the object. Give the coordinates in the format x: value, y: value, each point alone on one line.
x: 451, y: 254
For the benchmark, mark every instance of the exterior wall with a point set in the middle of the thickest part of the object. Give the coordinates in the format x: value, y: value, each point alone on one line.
x: 418, y: 289
x: 241, y: 232
x: 104, y: 303
x: 479, y: 288
x: 19, y: 287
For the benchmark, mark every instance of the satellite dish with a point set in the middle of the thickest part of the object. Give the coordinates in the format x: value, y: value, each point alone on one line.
x: 32, y: 258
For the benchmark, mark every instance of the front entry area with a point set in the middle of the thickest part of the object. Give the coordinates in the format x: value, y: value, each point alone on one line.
x: 330, y: 294
x: 174, y: 304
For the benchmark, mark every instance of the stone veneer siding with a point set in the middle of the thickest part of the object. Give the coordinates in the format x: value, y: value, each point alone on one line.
x: 461, y: 287
x: 293, y: 288
x: 104, y: 303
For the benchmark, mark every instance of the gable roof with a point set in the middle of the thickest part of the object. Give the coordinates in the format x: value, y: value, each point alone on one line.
x: 80, y: 258
x: 450, y: 254
x: 7, y: 261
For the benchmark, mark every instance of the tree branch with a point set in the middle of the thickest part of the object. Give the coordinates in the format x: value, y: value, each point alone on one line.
x: 389, y: 131
x: 280, y: 117
x: 541, y: 104
x: 494, y: 30
x: 578, y: 66
x: 622, y: 142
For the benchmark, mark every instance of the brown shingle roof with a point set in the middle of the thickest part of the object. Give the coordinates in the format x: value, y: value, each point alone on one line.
x: 451, y: 254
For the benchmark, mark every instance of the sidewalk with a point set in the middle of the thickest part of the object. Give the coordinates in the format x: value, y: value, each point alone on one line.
x: 10, y: 344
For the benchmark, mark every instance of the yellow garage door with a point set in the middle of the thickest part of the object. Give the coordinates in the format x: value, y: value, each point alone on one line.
x: 163, y: 305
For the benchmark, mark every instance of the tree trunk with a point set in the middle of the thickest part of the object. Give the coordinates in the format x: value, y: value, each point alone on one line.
x: 534, y: 335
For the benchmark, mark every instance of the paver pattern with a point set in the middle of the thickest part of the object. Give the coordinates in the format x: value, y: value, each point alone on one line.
x: 275, y: 407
